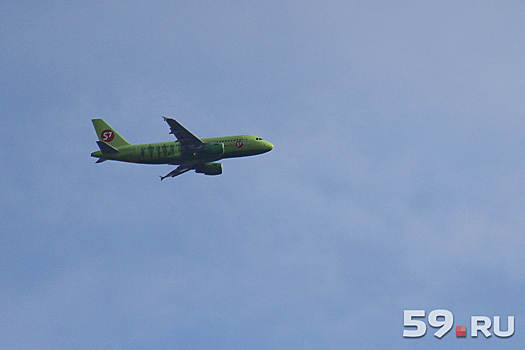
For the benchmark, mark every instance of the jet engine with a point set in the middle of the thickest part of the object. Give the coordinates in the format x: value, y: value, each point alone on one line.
x: 210, y: 169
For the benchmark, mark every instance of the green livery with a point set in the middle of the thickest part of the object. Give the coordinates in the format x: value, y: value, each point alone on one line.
x: 188, y: 151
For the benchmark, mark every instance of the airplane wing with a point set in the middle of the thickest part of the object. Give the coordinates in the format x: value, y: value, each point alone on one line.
x: 183, y: 136
x: 189, y: 142
x: 181, y: 169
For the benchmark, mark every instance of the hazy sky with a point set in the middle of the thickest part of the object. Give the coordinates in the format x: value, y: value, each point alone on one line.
x: 397, y: 181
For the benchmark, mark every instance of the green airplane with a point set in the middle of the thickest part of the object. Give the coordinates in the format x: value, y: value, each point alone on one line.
x: 188, y: 151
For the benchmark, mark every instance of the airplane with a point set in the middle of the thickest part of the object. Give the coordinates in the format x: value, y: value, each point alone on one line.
x: 188, y: 151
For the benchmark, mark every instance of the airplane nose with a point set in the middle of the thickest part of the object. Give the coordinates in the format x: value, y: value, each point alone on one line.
x: 269, y: 145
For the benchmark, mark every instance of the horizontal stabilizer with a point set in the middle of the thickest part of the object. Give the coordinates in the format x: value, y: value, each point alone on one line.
x: 105, y: 148
x: 100, y: 160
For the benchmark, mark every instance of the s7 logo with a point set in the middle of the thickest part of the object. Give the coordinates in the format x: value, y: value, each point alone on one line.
x: 107, y: 135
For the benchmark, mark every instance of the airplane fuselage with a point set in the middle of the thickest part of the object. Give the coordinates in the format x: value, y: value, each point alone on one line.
x: 188, y: 151
x: 171, y: 152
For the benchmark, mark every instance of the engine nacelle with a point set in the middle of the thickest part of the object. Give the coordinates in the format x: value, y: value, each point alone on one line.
x: 210, y: 169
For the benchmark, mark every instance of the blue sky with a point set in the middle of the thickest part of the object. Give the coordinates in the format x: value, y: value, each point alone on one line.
x: 396, y: 182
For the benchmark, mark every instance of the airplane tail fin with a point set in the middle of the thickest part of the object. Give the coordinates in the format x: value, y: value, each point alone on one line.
x: 109, y: 136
